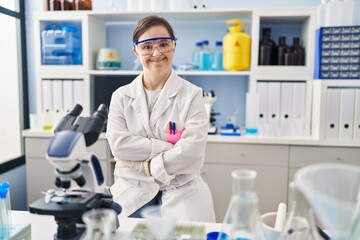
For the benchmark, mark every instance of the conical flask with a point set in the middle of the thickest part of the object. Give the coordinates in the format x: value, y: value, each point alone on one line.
x: 300, y: 224
x: 242, y: 219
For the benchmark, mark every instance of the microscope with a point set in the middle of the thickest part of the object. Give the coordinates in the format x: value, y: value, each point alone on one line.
x: 67, y: 152
x: 209, y: 99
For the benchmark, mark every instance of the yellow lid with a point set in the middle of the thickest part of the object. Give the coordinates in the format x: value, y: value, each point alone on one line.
x: 234, y: 25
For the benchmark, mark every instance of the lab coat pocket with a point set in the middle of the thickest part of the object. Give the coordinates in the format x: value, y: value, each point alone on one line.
x: 173, y: 138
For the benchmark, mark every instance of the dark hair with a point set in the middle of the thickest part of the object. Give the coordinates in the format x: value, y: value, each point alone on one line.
x: 145, y: 23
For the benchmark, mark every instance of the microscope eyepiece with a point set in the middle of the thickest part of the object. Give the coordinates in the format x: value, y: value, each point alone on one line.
x: 102, y: 112
x: 76, y: 111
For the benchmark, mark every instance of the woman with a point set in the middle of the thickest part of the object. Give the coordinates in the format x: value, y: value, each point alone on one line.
x: 157, y: 130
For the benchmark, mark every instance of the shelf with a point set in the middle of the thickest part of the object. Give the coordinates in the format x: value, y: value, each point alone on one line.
x: 181, y: 73
x: 181, y: 15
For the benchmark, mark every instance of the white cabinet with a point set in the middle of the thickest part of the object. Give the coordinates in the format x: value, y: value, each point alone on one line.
x: 40, y: 174
x: 301, y: 156
x: 269, y: 161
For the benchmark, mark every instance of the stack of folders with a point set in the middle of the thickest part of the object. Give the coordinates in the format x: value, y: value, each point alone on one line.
x: 282, y: 108
x: 60, y: 96
x: 342, y: 119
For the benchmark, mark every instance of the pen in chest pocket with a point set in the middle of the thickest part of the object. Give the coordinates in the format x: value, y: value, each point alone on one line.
x: 172, y: 128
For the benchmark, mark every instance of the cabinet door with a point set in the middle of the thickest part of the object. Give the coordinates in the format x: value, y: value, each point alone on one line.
x: 270, y: 184
x: 301, y: 156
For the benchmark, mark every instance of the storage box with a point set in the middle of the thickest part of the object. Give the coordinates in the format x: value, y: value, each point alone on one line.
x: 338, y: 53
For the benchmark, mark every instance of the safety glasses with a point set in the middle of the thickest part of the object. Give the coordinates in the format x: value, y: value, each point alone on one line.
x: 147, y: 47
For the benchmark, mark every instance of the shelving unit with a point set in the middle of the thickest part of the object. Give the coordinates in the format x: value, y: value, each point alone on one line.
x: 114, y: 29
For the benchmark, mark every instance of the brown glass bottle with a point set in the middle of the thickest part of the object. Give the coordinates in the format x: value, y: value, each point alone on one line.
x: 282, y: 48
x: 266, y: 48
x: 55, y: 5
x: 84, y: 5
x: 298, y: 52
x: 68, y: 5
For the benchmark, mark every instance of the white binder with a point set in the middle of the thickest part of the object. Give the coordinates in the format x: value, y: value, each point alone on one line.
x: 262, y: 90
x: 347, y: 103
x: 299, y: 104
x: 274, y: 107
x: 357, y: 115
x: 46, y: 91
x: 57, y: 94
x: 78, y: 92
x: 286, y: 108
x: 68, y: 95
x: 332, y: 113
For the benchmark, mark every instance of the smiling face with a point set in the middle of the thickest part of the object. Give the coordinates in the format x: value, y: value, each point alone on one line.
x: 157, y: 62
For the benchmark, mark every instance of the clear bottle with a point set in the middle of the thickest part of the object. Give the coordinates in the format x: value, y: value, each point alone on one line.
x: 242, y: 218
x: 205, y: 56
x: 217, y: 59
x: 196, y: 55
x: 300, y: 223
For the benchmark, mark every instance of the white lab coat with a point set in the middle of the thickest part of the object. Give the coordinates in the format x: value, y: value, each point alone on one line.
x: 175, y: 169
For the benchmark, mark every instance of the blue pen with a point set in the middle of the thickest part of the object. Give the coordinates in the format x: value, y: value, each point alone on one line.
x: 174, y: 127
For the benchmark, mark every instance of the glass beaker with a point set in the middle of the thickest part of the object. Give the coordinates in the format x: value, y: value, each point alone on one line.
x: 160, y: 222
x: 100, y: 224
x: 300, y: 224
x: 242, y: 219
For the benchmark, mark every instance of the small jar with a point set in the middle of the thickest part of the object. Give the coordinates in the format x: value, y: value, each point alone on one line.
x: 83, y: 5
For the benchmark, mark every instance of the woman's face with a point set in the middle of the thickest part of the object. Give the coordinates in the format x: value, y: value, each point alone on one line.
x: 156, y: 62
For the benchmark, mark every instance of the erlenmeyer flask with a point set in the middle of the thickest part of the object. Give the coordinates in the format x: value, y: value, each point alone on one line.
x: 300, y: 224
x: 242, y: 219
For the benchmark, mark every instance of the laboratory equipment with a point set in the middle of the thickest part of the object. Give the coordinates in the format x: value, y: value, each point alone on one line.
x: 210, y: 99
x: 61, y: 45
x: 160, y: 221
x: 67, y: 152
x: 300, y: 223
x: 236, y: 47
x: 333, y: 189
x: 242, y: 218
x: 298, y: 52
x: 108, y: 59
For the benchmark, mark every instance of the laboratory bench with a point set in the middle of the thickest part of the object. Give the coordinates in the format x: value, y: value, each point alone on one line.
x: 275, y: 160
x: 44, y: 226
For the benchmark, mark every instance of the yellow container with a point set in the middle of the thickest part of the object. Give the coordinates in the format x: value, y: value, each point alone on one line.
x: 236, y: 47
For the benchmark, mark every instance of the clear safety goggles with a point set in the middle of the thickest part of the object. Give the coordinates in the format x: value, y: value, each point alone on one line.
x: 163, y: 44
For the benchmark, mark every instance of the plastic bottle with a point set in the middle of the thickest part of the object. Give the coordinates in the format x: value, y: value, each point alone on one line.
x: 205, y: 56
x: 242, y: 220
x: 281, y: 49
x: 298, y: 52
x: 266, y: 48
x: 236, y: 47
x: 196, y: 55
x: 217, y: 59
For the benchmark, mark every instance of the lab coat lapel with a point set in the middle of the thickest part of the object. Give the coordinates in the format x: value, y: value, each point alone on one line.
x: 170, y: 89
x: 139, y: 103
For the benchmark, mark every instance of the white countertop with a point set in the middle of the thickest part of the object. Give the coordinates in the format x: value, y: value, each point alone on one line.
x: 44, y: 227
